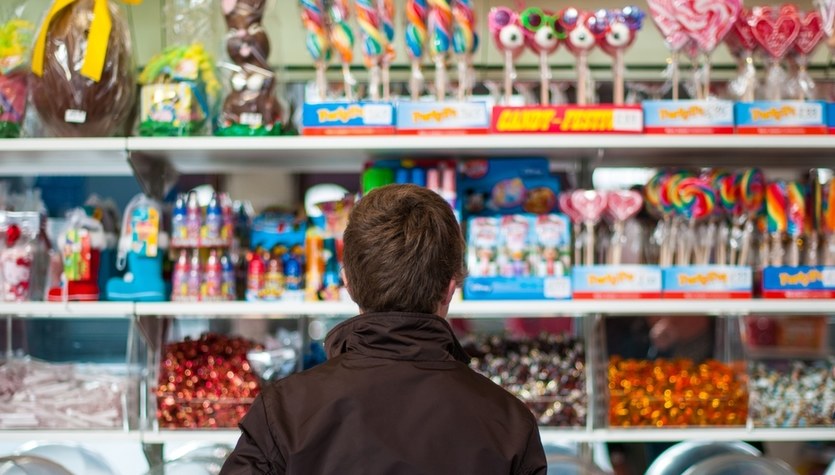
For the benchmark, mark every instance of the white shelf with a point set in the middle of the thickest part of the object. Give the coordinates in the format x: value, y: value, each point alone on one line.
x: 222, y: 436
x: 244, y: 309
x: 68, y: 310
x: 71, y: 156
x: 21, y: 436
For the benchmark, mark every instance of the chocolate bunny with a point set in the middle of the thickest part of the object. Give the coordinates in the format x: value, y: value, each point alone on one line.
x: 252, y: 99
x: 249, y: 45
x: 240, y: 14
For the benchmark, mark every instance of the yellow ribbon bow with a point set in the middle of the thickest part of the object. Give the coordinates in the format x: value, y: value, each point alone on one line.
x: 97, y: 40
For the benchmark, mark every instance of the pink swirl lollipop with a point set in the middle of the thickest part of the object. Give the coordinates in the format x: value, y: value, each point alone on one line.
x: 542, y: 37
x: 582, y: 30
x: 506, y: 29
x: 663, y: 15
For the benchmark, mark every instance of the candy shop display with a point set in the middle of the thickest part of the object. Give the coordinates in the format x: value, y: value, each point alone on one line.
x: 548, y: 373
x: 40, y: 395
x: 675, y: 393
x: 205, y: 383
x: 140, y: 254
x: 795, y: 393
x: 16, y: 37
x: 83, y: 83
x: 179, y: 86
x: 250, y: 107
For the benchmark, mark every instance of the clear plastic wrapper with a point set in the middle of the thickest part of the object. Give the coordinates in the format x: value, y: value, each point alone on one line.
x: 250, y: 108
x: 16, y: 35
x: 83, y: 83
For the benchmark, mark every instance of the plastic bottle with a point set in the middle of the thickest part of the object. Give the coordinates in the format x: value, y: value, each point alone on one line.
x: 228, y: 288
x: 193, y: 220
x: 194, y: 277
x: 255, y: 277
x: 179, y: 277
x: 212, y: 277
x: 178, y: 221
x: 214, y: 221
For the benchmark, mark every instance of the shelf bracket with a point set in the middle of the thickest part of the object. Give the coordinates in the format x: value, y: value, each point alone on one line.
x: 156, y: 176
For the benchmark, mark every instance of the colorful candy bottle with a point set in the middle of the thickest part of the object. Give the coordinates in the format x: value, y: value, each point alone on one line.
x: 193, y: 280
x: 255, y: 277
x: 214, y: 221
x: 212, y: 277
x: 179, y: 230
x: 193, y: 219
x: 228, y: 287
x: 179, y: 277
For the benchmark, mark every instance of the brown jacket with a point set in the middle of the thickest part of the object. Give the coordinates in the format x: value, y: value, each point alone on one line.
x: 395, y: 397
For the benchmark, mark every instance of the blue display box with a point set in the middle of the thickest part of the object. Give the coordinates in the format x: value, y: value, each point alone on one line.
x: 434, y: 118
x: 616, y: 282
x: 706, y: 282
x: 830, y: 117
x: 781, y: 117
x: 517, y: 288
x: 348, y: 118
x: 811, y: 282
x: 688, y: 117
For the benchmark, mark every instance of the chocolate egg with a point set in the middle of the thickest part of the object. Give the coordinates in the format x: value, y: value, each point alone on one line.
x: 70, y: 104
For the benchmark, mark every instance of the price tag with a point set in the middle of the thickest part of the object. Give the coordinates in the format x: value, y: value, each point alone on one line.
x: 75, y: 116
x: 252, y: 119
x: 829, y: 277
x: 810, y: 113
x: 720, y: 111
x: 557, y: 287
x: 631, y: 120
x: 377, y: 114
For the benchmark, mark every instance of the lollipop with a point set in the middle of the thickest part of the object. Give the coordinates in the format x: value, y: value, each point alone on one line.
x: 694, y: 199
x: 828, y: 221
x: 776, y: 205
x: 417, y: 12
x: 440, y: 40
x: 317, y: 41
x: 663, y: 15
x: 808, y: 39
x: 386, y: 12
x: 589, y: 205
x: 464, y: 43
x: 621, y: 206
x: 342, y: 40
x: 727, y: 193
x: 582, y: 30
x: 506, y: 29
x: 775, y: 32
x: 373, y: 42
x: 621, y: 30
x: 707, y: 23
x: 576, y: 221
x: 796, y: 220
x: 827, y: 11
x: 542, y: 37
x: 742, y: 44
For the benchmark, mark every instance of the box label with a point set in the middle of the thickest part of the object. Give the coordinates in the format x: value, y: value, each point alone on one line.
x: 567, y: 119
x: 781, y: 117
x: 689, y: 117
x: 708, y: 282
x: 517, y: 288
x: 799, y: 282
x: 348, y: 118
x: 631, y: 281
x: 442, y: 117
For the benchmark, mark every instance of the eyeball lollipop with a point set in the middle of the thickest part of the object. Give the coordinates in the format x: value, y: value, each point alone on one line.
x: 582, y: 31
x: 621, y: 30
x: 543, y: 38
x: 507, y: 32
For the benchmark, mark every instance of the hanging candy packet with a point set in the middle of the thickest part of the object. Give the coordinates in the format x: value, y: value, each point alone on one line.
x: 16, y: 36
x: 16, y: 262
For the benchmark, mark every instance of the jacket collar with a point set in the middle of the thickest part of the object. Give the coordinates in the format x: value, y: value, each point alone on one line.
x: 398, y: 336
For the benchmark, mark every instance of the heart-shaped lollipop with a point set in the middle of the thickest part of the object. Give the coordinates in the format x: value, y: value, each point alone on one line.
x: 742, y: 36
x: 623, y: 204
x: 707, y: 21
x: 589, y: 204
x: 775, y: 32
x: 811, y: 33
x: 663, y: 15
x: 506, y: 29
x: 568, y: 209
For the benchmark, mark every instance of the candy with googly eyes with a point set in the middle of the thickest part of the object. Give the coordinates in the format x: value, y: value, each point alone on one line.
x: 542, y: 35
x: 582, y: 30
x: 506, y: 28
x: 617, y: 31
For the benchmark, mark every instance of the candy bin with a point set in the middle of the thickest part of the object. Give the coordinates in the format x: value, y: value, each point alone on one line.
x: 674, y: 372
x: 16, y: 35
x: 540, y: 361
x: 791, y: 371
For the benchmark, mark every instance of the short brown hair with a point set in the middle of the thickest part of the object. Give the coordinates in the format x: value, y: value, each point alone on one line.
x: 402, y: 248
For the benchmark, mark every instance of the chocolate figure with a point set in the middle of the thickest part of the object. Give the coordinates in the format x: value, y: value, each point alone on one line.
x: 252, y: 100
x: 249, y: 46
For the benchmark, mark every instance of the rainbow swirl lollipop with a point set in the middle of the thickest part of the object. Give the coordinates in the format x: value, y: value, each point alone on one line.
x: 751, y: 191
x: 342, y: 40
x: 464, y: 43
x: 440, y: 26
x: 828, y: 207
x: 417, y: 33
x: 694, y: 198
x: 797, y: 208
x: 373, y: 42
x: 728, y: 193
x: 386, y: 11
x: 776, y: 206
x: 317, y: 40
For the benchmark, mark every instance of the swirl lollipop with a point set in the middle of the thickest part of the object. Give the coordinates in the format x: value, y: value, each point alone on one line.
x: 751, y: 190
x: 440, y: 41
x: 727, y: 194
x: 796, y: 220
x: 317, y: 41
x: 621, y: 30
x: 386, y: 12
x: 373, y: 42
x: 776, y: 207
x: 464, y: 43
x: 694, y: 200
x: 342, y: 40
x: 582, y: 29
x: 663, y: 15
x: 507, y: 32
x: 416, y: 35
x: 543, y: 38
x: 776, y: 32
x: 827, y: 12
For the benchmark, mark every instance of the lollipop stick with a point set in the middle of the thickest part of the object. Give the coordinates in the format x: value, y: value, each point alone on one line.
x: 812, y: 246
x: 544, y: 78
x: 751, y: 75
x: 707, y: 77
x: 509, y: 75
x: 617, y: 244
x: 578, y: 246
x: 829, y: 251
x: 440, y: 77
x: 470, y: 76
x: 674, y: 59
x: 416, y: 81
x: 589, y: 259
x: 793, y: 258
x: 722, y: 244
x: 321, y: 80
x: 349, y: 82
x: 386, y: 80
x: 619, y: 73
x: 462, y: 79
x: 582, y: 78
x: 374, y: 82
x: 745, y: 245
x: 777, y: 252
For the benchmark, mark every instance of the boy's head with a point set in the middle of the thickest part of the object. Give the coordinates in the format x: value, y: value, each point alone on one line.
x: 402, y: 249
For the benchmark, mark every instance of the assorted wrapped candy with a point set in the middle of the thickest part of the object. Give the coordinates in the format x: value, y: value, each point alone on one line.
x: 793, y: 393
x: 16, y: 37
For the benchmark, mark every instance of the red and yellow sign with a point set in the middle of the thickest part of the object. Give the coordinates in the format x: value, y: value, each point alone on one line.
x: 568, y: 119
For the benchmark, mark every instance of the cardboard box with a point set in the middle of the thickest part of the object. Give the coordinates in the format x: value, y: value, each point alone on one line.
x: 781, y: 118
x: 616, y: 282
x: 440, y: 118
x: 688, y: 117
x: 804, y: 282
x: 567, y: 119
x: 348, y: 118
x: 708, y: 282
